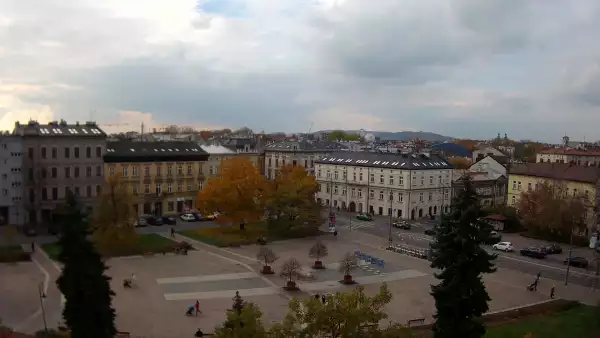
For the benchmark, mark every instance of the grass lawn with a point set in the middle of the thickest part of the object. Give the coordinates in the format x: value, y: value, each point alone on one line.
x: 225, y: 236
x: 13, y: 253
x: 580, y: 321
x: 146, y: 243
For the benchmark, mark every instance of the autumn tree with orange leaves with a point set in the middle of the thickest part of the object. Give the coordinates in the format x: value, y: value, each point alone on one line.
x: 460, y: 162
x: 291, y: 201
x: 549, y: 210
x: 238, y: 193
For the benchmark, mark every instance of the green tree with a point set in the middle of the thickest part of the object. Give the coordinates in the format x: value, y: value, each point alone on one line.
x: 247, y: 324
x: 238, y: 303
x: 349, y: 315
x: 461, y: 297
x: 88, y: 311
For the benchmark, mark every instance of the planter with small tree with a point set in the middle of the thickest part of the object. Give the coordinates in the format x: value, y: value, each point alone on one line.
x: 348, y: 264
x: 289, y: 270
x: 317, y: 251
x: 267, y: 256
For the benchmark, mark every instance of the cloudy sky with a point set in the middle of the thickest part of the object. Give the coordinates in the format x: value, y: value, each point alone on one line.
x: 464, y: 68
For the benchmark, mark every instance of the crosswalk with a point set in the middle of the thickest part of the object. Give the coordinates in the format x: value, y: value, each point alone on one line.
x: 357, y: 225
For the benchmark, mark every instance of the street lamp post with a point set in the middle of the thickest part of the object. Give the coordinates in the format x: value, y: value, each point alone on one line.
x: 390, y: 221
x: 42, y: 296
x: 570, y: 254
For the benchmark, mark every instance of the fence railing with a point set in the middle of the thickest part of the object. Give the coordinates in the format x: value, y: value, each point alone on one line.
x: 410, y: 251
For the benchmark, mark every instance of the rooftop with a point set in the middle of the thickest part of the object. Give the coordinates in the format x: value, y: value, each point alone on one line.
x: 572, y: 152
x: 153, y: 151
x: 306, y: 146
x: 61, y: 128
x: 216, y: 149
x: 557, y: 171
x: 393, y: 161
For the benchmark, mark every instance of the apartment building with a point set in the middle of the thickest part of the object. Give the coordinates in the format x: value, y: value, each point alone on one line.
x: 302, y: 153
x: 217, y: 153
x: 572, y: 179
x: 565, y: 155
x: 489, y: 179
x: 12, y: 211
x: 162, y: 177
x: 408, y: 186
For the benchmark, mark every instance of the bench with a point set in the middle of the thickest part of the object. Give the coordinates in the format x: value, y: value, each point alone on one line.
x: 417, y: 321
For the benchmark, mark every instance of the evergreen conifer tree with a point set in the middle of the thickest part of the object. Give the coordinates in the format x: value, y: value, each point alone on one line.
x: 88, y: 311
x: 238, y: 303
x: 461, y: 297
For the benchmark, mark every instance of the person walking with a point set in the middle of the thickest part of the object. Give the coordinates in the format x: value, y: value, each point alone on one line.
x: 552, y: 292
x: 172, y: 232
x: 324, y: 299
x: 32, y: 246
x: 197, y: 307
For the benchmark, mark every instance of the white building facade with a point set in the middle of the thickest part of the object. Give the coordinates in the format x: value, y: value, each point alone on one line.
x: 297, y: 153
x: 12, y: 211
x: 407, y: 186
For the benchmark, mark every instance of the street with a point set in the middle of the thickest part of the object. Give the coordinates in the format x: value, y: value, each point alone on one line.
x: 551, y: 267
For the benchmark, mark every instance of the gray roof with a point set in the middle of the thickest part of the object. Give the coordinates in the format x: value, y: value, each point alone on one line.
x: 132, y: 148
x: 394, y: 161
x: 305, y: 146
x: 56, y: 129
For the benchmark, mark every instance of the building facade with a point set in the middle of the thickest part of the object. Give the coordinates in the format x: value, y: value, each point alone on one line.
x: 59, y: 157
x: 298, y: 153
x: 406, y: 186
x: 217, y: 153
x: 575, y: 156
x: 12, y: 211
x: 163, y: 177
x: 572, y: 179
x: 489, y: 179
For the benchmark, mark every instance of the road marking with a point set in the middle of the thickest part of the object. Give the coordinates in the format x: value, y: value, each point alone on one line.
x: 542, y: 265
x: 206, y: 278
x: 221, y: 294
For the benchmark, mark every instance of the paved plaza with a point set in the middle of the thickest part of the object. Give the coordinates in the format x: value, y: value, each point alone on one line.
x: 168, y: 284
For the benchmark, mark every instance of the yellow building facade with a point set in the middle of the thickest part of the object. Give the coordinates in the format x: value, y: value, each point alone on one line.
x: 572, y: 180
x: 162, y: 177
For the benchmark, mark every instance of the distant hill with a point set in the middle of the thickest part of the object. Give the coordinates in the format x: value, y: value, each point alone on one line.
x: 405, y: 135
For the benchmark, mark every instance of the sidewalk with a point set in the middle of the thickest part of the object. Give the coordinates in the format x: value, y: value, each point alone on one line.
x: 51, y: 303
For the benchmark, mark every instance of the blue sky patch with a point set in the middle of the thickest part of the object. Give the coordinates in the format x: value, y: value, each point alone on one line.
x: 228, y: 8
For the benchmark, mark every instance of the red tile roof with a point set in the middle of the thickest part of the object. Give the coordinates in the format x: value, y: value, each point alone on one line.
x: 557, y: 171
x: 572, y: 152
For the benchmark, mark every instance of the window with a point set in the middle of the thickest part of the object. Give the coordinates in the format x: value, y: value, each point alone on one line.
x: 354, y: 176
x: 343, y: 191
x: 189, y: 169
x: 88, y: 191
x: 67, y: 152
x: 98, y: 190
x: 43, y: 152
x: 514, y: 200
x: 360, y: 176
x: 210, y: 170
x: 422, y: 181
x: 352, y: 192
x: 44, y: 194
x: 30, y: 152
x: 170, y: 206
x: 146, y: 188
x: 76, y: 152
x: 54, y: 152
x: 391, y: 179
x: 169, y: 188
x: 372, y: 194
x: 189, y: 187
x: 135, y: 189
x: 54, y: 172
x: 305, y: 163
x: 359, y: 192
x: 77, y: 191
x: 111, y: 171
x: 528, y: 186
x: 421, y: 197
x: 199, y: 185
x: 179, y: 170
x: 125, y: 171
x: 98, y: 151
x: 88, y: 151
x: 134, y: 170
x: 158, y: 170
x: 179, y: 187
x: 335, y: 190
x: 430, y: 196
x: 381, y: 195
x: 277, y: 162
x: 30, y: 174
x: 519, y: 186
x: 401, y: 180
x: 147, y: 171
x: 400, y: 197
x: 76, y: 172
x: 319, y: 173
x: 269, y: 162
x: 514, y: 185
x: 327, y: 188
x: 44, y: 173
x: 67, y: 172
x: 55, y: 193
x: 574, y: 192
x: 169, y: 170
x: 158, y: 188
x: 372, y: 178
x: 430, y: 179
x: 391, y: 197
x: 98, y: 170
x: 335, y: 174
x: 88, y: 171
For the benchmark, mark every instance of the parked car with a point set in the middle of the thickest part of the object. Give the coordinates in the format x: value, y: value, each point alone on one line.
x: 552, y: 249
x: 364, y: 217
x: 494, y: 238
x: 430, y: 232
x: 533, y: 252
x: 503, y: 246
x: 188, y: 217
x: 401, y: 225
x: 140, y: 222
x: 169, y: 220
x: 578, y: 262
x: 154, y: 220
